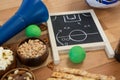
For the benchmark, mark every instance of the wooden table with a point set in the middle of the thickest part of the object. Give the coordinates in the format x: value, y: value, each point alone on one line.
x: 96, y: 61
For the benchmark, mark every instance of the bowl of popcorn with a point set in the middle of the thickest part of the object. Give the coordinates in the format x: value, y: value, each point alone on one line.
x: 19, y: 74
x: 7, y: 60
x: 32, y: 52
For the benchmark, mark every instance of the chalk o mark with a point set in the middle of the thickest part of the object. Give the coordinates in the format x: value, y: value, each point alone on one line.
x: 77, y: 35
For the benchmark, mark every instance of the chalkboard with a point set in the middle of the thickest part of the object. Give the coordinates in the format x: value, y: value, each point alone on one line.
x: 81, y: 28
x: 75, y: 29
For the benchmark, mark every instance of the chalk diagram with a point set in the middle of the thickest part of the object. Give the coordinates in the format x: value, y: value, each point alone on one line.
x: 75, y: 35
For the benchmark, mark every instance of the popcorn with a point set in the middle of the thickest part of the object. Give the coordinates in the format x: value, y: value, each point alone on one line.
x: 1, y: 55
x: 3, y: 64
x: 1, y: 48
x: 6, y: 58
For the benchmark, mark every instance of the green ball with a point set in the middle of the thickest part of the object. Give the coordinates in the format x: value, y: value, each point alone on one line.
x: 33, y: 31
x: 77, y: 54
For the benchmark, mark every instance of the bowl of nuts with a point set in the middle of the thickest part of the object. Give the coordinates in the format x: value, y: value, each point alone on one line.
x: 19, y: 74
x: 32, y: 52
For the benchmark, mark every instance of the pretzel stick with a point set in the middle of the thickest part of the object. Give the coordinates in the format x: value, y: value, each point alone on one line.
x: 85, y: 74
x: 69, y: 76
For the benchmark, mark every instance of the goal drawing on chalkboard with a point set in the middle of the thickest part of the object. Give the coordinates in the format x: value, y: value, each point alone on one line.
x: 82, y: 28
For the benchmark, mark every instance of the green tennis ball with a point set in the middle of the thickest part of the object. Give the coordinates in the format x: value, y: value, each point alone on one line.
x: 33, y: 31
x: 77, y: 54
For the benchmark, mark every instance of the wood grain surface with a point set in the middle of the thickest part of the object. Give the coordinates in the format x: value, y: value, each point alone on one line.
x: 96, y: 61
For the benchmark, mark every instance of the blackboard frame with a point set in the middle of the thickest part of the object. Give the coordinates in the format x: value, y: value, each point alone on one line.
x: 88, y: 46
